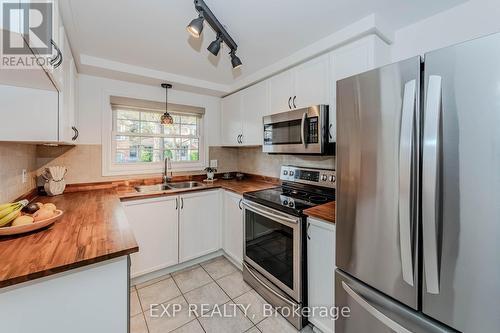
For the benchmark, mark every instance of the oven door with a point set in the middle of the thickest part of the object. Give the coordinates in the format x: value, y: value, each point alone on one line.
x: 273, y: 246
x: 299, y: 131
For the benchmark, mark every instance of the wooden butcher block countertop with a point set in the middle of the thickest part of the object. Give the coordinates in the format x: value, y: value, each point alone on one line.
x: 324, y: 212
x: 94, y: 228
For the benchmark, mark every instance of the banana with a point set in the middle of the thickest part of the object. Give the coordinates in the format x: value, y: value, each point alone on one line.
x: 10, y: 217
x: 7, y: 211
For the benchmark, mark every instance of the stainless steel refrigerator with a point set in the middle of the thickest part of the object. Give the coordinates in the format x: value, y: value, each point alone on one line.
x: 418, y: 194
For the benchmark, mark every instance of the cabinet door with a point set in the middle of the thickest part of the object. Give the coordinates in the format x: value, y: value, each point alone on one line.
x: 155, y: 226
x: 280, y: 92
x: 312, y: 80
x: 231, y: 119
x: 233, y: 226
x: 199, y: 224
x: 321, y: 270
x: 254, y: 107
x: 67, y: 95
x: 29, y: 115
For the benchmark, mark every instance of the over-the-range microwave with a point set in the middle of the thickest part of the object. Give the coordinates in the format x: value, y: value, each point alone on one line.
x: 301, y: 131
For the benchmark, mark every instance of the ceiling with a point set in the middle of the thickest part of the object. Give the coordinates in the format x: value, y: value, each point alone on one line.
x: 152, y: 33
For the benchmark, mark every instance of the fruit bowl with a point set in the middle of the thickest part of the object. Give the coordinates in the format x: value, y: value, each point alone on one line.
x: 8, y: 231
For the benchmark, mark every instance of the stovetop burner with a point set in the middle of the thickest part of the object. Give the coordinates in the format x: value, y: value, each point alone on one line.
x: 292, y: 200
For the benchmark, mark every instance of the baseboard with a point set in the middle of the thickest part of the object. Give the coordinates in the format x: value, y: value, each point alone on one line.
x: 174, y: 268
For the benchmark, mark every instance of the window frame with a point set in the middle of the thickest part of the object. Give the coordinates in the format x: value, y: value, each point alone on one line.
x: 112, y: 168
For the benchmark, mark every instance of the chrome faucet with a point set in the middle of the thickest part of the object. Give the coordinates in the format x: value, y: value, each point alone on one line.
x: 168, y: 166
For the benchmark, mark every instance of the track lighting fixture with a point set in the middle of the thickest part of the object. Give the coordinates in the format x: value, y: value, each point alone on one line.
x: 196, y: 27
x: 235, y: 61
x: 214, y: 47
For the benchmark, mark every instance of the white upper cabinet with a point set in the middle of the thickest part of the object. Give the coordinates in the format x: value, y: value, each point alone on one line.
x: 301, y: 86
x: 311, y: 82
x: 199, y: 224
x: 281, y: 90
x: 242, y: 114
x: 231, y: 120
x: 155, y: 226
x: 254, y: 106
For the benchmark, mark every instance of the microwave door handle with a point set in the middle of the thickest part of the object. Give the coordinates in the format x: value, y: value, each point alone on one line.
x: 405, y: 176
x: 429, y: 182
x: 303, y: 129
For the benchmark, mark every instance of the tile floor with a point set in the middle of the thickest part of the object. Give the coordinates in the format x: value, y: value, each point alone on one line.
x: 214, y: 282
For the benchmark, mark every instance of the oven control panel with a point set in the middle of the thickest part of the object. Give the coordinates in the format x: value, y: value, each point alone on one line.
x: 318, y: 177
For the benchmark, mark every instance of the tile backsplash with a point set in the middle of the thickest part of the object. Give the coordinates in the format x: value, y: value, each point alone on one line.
x: 84, y: 164
x: 14, y: 157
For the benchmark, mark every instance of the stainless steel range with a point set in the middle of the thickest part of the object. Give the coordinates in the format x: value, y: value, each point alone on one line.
x: 274, y: 249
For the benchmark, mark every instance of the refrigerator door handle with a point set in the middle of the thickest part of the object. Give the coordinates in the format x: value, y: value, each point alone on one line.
x: 429, y: 182
x: 373, y: 311
x: 405, y: 176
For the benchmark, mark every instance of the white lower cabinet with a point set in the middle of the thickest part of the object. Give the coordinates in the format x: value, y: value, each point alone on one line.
x: 155, y: 225
x: 321, y: 270
x: 233, y: 226
x: 199, y: 224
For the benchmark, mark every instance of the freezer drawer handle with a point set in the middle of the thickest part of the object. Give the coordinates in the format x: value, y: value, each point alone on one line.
x: 373, y: 311
x: 405, y: 171
x: 429, y: 183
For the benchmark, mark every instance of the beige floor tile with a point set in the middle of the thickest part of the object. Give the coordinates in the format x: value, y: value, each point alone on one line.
x: 236, y: 323
x: 191, y: 278
x: 210, y: 294
x: 233, y: 284
x: 253, y: 330
x: 192, y: 327
x: 276, y: 324
x: 255, y: 311
x: 138, y: 324
x: 135, y: 306
x: 163, y: 323
x: 219, y: 268
x: 157, y: 293
x: 152, y: 281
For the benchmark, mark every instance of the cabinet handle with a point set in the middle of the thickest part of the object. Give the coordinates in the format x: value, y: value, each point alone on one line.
x: 239, y: 204
x: 77, y: 133
x: 293, y: 102
x: 182, y: 203
x: 307, y: 231
x: 58, y: 59
x: 289, y: 100
x: 330, y: 131
x: 241, y: 138
x: 176, y: 203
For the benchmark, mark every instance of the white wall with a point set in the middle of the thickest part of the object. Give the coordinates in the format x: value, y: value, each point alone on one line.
x: 472, y: 19
x: 92, y: 90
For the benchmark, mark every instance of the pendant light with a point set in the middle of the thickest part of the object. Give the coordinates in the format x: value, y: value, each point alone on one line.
x: 166, y: 118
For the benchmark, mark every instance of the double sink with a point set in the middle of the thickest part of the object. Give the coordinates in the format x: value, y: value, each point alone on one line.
x: 168, y: 186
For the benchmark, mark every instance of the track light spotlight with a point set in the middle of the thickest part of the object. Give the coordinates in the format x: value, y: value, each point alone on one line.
x: 214, y: 47
x: 235, y: 61
x: 196, y: 26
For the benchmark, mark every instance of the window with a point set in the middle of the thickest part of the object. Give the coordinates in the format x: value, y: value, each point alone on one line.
x: 135, y: 143
x: 138, y: 137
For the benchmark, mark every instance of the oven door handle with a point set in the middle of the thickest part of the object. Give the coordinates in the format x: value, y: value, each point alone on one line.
x: 283, y: 298
x: 268, y: 213
x: 303, y: 129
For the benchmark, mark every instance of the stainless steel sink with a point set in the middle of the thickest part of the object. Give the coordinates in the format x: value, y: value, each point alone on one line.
x: 168, y: 186
x: 181, y: 185
x: 152, y: 188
